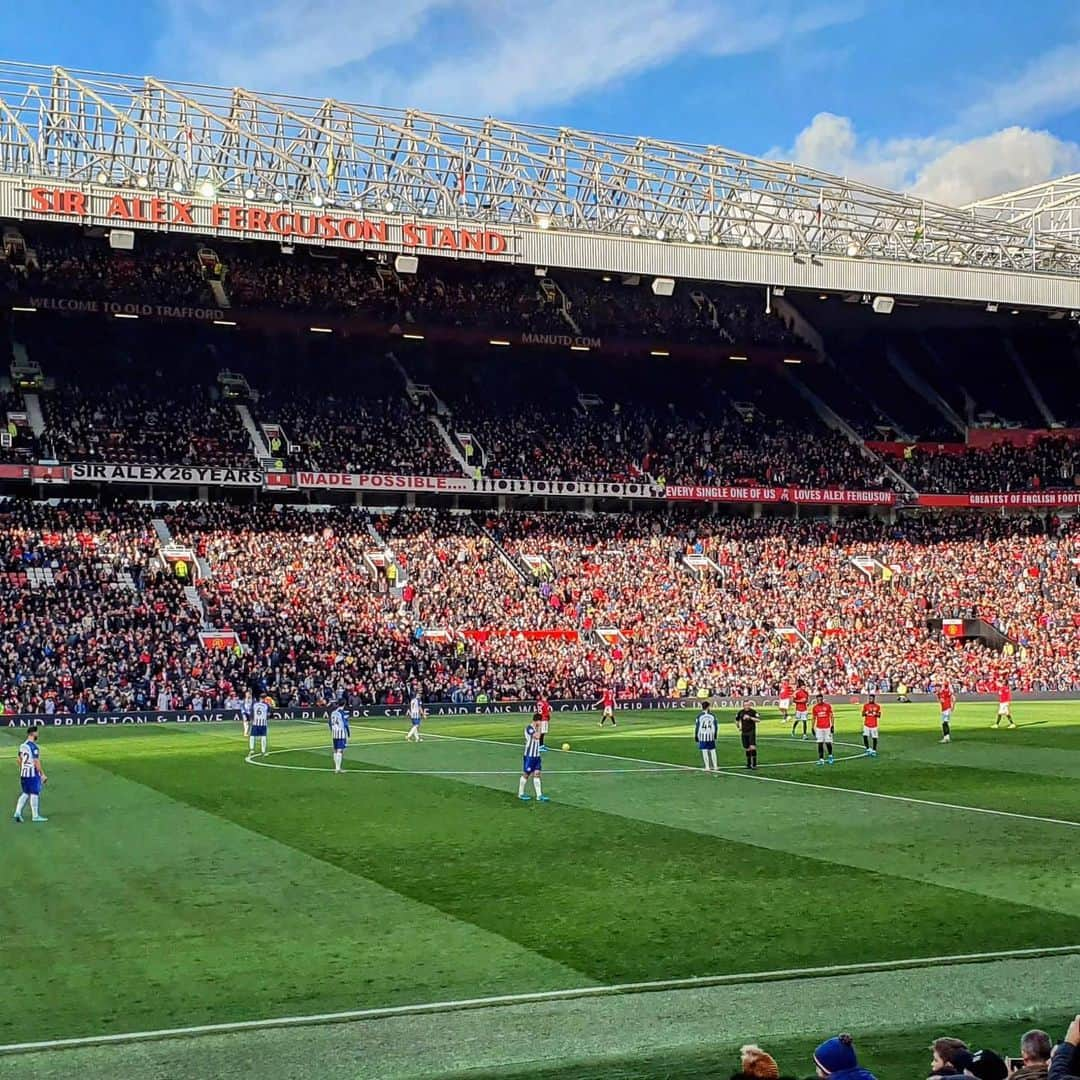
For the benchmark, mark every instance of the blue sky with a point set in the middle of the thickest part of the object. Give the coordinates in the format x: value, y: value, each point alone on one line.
x: 953, y: 100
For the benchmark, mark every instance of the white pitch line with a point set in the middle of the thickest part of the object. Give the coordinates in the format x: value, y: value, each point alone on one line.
x: 697, y: 982
x: 803, y: 783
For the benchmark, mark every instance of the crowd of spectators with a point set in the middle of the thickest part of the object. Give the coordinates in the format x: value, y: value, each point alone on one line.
x: 1039, y: 1058
x: 1052, y: 462
x: 338, y: 604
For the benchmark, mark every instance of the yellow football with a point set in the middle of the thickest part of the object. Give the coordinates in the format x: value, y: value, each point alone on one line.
x: 566, y: 746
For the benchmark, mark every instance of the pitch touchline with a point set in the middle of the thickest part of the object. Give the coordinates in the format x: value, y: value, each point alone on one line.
x: 697, y: 982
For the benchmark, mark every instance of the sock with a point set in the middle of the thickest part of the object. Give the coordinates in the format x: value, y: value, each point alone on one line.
x: 264, y: 744
x: 541, y: 738
x: 945, y: 727
x: 874, y: 747
x: 821, y: 751
x: 21, y: 804
x: 705, y: 757
x: 536, y: 786
x: 337, y: 760
x: 828, y: 747
x: 521, y: 785
x: 749, y: 758
x: 794, y: 727
x: 712, y: 760
x: 35, y: 805
x: 251, y: 743
x: 753, y: 754
x: 866, y: 741
x: 804, y: 727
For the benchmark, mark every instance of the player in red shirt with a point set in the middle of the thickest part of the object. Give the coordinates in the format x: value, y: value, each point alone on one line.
x: 945, y: 700
x: 823, y: 729
x: 1004, y: 705
x: 607, y: 700
x: 543, y: 711
x: 785, y: 700
x: 871, y: 715
x: 802, y: 708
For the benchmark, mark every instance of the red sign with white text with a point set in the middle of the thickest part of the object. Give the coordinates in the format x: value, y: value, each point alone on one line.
x: 1006, y: 500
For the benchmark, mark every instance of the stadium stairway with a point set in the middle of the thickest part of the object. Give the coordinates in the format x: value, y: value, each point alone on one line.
x: 833, y: 420
x: 191, y: 595
x: 506, y: 557
x: 162, y: 531
x: 258, y: 444
x: 1029, y: 383
x: 924, y: 389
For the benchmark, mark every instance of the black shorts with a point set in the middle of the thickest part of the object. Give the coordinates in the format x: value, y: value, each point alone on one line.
x: 749, y: 739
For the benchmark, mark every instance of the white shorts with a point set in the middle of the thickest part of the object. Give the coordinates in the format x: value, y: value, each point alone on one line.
x: 946, y: 715
x: 609, y: 711
x: 823, y: 734
x: 784, y: 703
x: 1003, y: 708
x: 801, y: 716
x: 870, y: 732
x: 542, y: 726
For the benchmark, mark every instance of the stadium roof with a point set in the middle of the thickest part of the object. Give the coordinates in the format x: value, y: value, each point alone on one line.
x: 1051, y: 208
x: 746, y: 219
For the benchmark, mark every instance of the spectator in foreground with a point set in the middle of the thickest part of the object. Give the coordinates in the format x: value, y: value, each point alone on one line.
x: 1065, y: 1062
x: 1035, y: 1051
x: 950, y: 1057
x: 987, y: 1065
x: 756, y: 1064
x: 836, y: 1058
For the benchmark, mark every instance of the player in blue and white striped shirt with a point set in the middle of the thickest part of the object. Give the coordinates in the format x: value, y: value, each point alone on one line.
x: 339, y: 733
x: 31, y: 778
x: 416, y: 714
x: 260, y: 720
x: 531, y: 762
x: 705, y: 734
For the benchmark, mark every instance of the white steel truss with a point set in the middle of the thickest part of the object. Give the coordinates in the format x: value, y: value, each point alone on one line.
x: 1052, y: 208
x: 113, y: 130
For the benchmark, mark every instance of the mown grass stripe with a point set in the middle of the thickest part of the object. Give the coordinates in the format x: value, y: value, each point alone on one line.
x: 743, y: 978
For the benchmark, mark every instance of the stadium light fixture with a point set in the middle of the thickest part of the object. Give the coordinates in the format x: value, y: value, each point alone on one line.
x: 249, y: 193
x: 177, y: 186
x: 207, y: 190
x: 142, y: 182
x: 956, y: 258
x: 738, y: 358
x: 318, y: 200
x: 388, y: 206
x: 24, y: 309
x: 792, y: 360
x: 278, y: 197
x: 606, y: 277
x: 853, y: 250
x: 635, y: 230
x: 659, y: 352
x: 543, y: 221
x: 413, y: 337
x: 691, y: 238
x: 661, y: 235
x: 102, y: 178
x: 579, y: 348
x: 357, y: 204
x: 224, y: 322
x: 1014, y: 312
x: 124, y: 315
x: 991, y: 307
x: 496, y: 341
x: 320, y: 329
x: 747, y: 240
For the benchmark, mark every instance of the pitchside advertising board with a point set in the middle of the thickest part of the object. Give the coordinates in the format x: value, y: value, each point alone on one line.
x: 495, y: 708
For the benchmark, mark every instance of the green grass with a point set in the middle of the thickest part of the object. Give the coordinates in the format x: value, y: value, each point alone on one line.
x: 177, y: 884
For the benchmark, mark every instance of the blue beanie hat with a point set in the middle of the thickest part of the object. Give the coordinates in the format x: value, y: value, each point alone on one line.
x: 836, y: 1055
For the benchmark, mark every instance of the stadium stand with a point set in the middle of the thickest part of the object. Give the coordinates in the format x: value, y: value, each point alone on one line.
x: 510, y: 604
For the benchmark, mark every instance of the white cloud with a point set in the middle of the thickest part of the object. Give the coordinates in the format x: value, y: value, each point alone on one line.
x: 1048, y: 86
x: 469, y: 56
x: 937, y: 168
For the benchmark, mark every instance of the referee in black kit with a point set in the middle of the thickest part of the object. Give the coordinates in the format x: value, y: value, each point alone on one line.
x: 746, y: 719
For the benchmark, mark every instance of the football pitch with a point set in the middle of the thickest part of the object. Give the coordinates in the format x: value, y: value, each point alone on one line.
x: 647, y: 921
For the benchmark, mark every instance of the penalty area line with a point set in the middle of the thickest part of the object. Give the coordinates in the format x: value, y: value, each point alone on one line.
x: 657, y: 986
